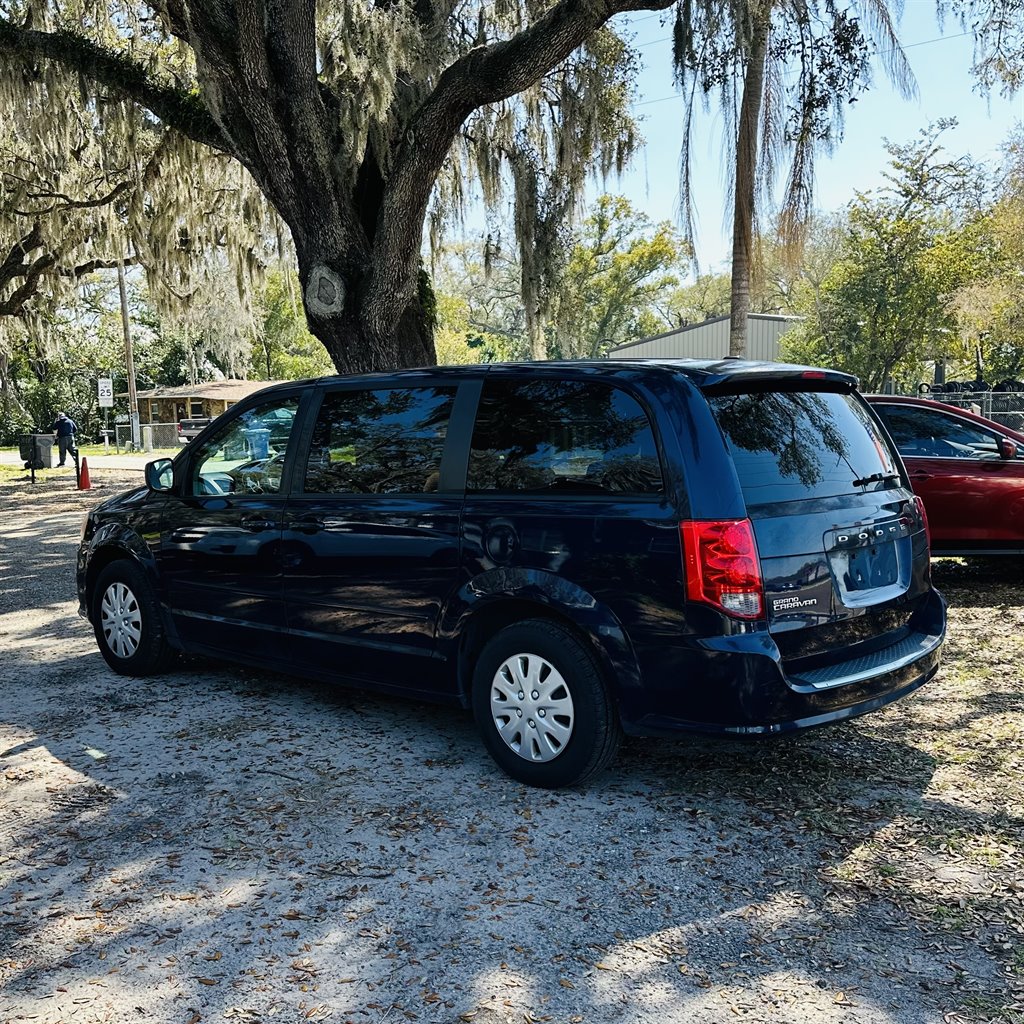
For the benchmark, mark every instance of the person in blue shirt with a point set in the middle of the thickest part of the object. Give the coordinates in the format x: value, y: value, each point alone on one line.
x: 64, y: 430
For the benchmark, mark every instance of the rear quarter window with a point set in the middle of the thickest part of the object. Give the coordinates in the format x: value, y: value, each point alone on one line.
x: 795, y: 445
x: 559, y: 436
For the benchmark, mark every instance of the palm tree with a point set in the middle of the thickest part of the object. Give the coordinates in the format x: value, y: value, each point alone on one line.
x: 784, y: 71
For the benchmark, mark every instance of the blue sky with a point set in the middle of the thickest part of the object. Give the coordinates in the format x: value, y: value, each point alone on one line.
x: 940, y: 61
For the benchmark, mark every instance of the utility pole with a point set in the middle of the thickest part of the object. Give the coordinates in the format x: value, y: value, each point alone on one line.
x: 133, y: 397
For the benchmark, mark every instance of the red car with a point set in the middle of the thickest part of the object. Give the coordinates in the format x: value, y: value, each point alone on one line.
x: 968, y: 470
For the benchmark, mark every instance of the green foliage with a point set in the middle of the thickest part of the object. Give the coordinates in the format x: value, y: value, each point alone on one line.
x: 989, y: 308
x: 58, y: 374
x: 428, y: 300
x: 620, y: 271
x: 888, y: 305
x: 620, y: 267
x: 460, y: 340
x: 779, y: 284
x: 706, y: 297
x: 479, y: 304
x: 285, y: 349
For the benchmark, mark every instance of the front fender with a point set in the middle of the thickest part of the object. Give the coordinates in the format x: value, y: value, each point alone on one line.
x: 109, y: 543
x: 497, y: 597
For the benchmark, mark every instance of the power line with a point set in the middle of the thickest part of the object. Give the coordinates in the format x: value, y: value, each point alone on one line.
x: 881, y: 53
x: 646, y: 17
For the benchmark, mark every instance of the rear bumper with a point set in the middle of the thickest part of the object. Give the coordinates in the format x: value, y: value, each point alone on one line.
x: 738, y: 685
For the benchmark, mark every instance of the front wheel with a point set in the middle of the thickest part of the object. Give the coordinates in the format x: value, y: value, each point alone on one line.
x: 542, y: 706
x: 126, y: 619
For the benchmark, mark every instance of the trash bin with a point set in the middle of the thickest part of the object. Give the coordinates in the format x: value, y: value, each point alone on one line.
x: 258, y: 439
x: 36, y: 450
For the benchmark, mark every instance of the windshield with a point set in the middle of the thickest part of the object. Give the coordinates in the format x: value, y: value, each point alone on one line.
x: 794, y: 445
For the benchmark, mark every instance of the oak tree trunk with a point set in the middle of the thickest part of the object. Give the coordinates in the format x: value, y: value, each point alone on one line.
x: 354, y: 349
x: 335, y: 293
x: 356, y: 215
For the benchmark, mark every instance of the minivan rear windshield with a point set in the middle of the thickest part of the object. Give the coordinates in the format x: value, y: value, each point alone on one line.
x: 793, y: 445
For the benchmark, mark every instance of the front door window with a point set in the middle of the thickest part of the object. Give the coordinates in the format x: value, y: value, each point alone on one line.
x: 386, y: 441
x: 247, y: 455
x: 930, y: 434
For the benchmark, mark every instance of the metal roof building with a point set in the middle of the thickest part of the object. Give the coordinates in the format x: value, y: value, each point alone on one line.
x: 710, y: 340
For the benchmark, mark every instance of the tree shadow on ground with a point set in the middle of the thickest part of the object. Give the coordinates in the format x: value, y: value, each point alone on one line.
x: 220, y: 843
x: 236, y: 844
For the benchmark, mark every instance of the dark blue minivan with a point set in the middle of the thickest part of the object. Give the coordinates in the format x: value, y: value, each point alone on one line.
x: 573, y: 550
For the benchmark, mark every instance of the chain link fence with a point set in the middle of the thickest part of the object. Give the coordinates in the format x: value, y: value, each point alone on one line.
x: 1006, y: 407
x: 123, y: 437
x: 154, y: 435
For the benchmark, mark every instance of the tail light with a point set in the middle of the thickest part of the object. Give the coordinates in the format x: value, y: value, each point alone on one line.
x: 722, y: 567
x: 923, y: 513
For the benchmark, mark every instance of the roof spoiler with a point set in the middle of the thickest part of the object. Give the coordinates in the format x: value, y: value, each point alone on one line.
x: 740, y: 375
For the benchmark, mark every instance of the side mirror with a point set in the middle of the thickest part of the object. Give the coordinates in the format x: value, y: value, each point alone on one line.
x: 160, y: 475
x: 1007, y: 448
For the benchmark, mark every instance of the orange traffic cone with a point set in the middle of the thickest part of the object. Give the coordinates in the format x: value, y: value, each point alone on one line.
x: 84, y: 483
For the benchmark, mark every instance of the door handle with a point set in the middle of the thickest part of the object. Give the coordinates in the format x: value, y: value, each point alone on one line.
x: 308, y: 524
x: 256, y: 524
x: 920, y: 475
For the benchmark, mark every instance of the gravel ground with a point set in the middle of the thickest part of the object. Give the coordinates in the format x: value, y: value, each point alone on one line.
x: 223, y: 845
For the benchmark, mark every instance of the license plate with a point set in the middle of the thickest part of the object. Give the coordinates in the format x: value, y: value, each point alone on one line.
x: 869, y: 568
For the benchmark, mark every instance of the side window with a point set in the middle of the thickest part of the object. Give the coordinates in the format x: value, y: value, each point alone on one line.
x: 386, y: 441
x: 926, y: 433
x: 247, y: 455
x: 562, y: 436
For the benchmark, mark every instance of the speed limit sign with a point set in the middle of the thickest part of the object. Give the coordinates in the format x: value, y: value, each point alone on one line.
x: 105, y: 389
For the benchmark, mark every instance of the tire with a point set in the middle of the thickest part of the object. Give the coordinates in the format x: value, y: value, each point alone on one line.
x: 126, y: 620
x: 575, y: 730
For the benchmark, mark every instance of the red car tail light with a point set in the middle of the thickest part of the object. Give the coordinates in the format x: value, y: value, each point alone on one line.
x: 923, y: 513
x: 722, y: 566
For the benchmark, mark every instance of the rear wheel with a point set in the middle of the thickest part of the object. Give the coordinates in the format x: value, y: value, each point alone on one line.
x: 542, y: 706
x: 127, y: 622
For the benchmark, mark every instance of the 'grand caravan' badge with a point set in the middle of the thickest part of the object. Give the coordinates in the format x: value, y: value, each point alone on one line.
x: 789, y: 604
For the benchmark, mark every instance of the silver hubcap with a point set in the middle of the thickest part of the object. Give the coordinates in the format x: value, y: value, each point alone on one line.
x: 121, y: 620
x: 531, y: 707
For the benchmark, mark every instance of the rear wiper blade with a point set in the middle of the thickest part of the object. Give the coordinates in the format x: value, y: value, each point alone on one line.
x: 875, y: 478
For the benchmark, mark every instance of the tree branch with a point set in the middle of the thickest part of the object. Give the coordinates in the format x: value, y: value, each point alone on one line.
x: 506, y: 68
x: 15, y: 264
x: 66, y: 202
x: 176, y: 108
x: 485, y: 75
x: 14, y: 303
x: 96, y: 264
